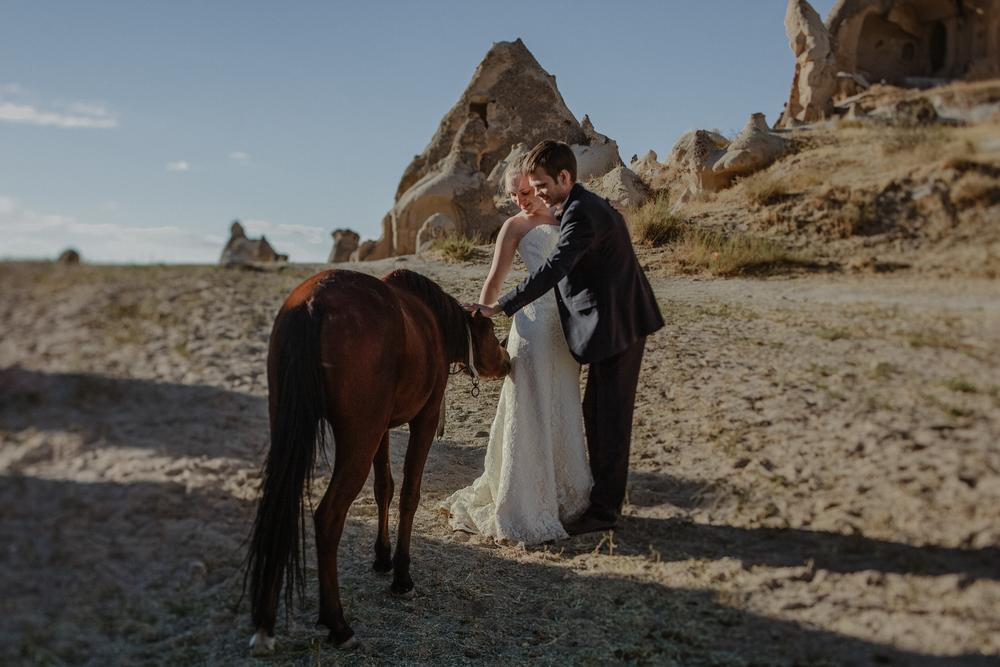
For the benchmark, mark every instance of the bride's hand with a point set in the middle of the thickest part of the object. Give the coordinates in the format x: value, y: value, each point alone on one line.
x: 488, y: 311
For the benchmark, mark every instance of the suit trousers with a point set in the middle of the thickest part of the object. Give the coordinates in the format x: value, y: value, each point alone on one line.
x: 608, y: 404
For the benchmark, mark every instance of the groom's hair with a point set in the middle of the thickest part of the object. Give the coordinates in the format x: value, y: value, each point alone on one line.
x: 552, y: 157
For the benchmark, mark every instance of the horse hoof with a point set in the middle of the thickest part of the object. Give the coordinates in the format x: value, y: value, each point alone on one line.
x: 382, y: 568
x: 344, y: 644
x: 403, y: 595
x: 261, y: 644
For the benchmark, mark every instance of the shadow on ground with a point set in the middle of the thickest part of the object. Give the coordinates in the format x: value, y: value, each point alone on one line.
x: 104, y: 572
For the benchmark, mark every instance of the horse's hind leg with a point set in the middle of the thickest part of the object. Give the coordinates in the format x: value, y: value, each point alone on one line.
x: 421, y: 437
x: 383, y: 497
x: 353, y: 461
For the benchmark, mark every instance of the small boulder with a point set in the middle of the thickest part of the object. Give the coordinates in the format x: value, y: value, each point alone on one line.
x: 621, y: 186
x: 753, y: 149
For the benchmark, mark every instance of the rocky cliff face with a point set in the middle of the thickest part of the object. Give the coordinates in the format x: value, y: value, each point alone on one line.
x: 906, y: 43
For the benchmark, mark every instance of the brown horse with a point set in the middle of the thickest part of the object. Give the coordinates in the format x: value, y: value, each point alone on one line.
x: 362, y: 355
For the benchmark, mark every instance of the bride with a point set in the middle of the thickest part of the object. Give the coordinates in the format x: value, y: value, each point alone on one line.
x: 536, y: 474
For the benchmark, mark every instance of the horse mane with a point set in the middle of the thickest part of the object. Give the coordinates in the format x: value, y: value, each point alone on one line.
x: 450, y: 315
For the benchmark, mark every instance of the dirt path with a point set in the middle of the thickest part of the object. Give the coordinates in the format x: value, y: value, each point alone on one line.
x: 816, y: 480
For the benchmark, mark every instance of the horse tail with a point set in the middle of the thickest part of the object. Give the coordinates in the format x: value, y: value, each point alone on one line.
x: 277, y: 542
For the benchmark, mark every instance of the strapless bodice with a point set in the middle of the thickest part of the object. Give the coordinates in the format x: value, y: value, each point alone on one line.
x: 536, y: 246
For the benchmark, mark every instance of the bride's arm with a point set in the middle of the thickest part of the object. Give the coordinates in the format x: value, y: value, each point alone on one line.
x: 503, y: 259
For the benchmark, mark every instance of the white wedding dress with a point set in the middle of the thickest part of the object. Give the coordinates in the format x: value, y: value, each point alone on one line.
x: 536, y: 473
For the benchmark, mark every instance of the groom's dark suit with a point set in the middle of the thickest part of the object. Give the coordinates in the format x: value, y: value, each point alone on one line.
x: 607, y: 309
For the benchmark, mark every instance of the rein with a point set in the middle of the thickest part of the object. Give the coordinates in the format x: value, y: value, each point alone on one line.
x: 472, y: 364
x: 470, y: 368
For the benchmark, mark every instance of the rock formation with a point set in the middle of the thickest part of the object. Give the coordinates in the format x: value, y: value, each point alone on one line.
x: 243, y: 251
x: 345, y: 242
x: 705, y: 161
x: 693, y: 158
x: 907, y: 43
x: 510, y: 100
x: 754, y: 148
x: 69, y: 256
x: 365, y: 251
x: 622, y: 186
x: 815, y: 79
x: 647, y: 168
x: 597, y: 156
x: 435, y: 227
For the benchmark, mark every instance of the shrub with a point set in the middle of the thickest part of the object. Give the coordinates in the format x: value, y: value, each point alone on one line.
x: 653, y: 224
x: 458, y: 248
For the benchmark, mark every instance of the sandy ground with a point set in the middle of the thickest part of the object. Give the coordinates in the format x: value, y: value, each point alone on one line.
x: 815, y: 481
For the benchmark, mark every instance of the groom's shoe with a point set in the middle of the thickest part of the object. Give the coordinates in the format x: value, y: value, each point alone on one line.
x: 590, y: 523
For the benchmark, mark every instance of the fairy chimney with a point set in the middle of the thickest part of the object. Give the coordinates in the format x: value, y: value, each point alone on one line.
x: 510, y: 100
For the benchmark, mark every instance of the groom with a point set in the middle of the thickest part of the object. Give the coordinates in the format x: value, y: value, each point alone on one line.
x: 607, y: 309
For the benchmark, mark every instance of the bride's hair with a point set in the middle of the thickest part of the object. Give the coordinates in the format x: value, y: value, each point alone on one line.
x: 515, y: 169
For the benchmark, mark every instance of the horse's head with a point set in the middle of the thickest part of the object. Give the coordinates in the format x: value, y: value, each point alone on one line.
x: 491, y: 359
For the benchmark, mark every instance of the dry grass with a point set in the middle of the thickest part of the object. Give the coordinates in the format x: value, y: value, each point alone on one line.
x: 763, y: 188
x: 653, y: 224
x: 976, y: 188
x: 458, y: 248
x: 735, y: 254
x: 922, y: 140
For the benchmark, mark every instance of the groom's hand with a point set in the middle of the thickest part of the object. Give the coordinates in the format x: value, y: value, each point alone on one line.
x: 488, y: 311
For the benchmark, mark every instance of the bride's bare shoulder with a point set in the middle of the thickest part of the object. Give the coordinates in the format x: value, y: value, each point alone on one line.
x: 514, y: 228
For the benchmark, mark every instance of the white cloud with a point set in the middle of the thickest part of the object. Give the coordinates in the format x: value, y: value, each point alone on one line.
x: 28, y: 233
x: 19, y: 105
x: 98, y: 117
x: 179, y: 165
x: 239, y: 156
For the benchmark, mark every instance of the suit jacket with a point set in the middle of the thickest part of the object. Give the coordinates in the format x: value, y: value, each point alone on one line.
x: 605, y: 301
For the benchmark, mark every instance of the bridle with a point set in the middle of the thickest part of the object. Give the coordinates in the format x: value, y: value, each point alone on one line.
x: 470, y: 367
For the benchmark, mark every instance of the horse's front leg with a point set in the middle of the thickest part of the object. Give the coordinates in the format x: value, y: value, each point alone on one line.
x: 383, y: 498
x: 422, y: 430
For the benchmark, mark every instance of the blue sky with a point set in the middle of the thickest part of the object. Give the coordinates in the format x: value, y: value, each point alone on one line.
x: 137, y: 131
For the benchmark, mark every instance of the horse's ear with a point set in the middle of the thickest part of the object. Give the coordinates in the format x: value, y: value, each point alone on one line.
x: 477, y: 314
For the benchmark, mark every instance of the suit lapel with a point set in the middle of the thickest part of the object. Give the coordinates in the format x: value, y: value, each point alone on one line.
x: 574, y: 194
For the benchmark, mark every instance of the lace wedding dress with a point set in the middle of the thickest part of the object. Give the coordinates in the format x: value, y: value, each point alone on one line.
x: 536, y: 473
